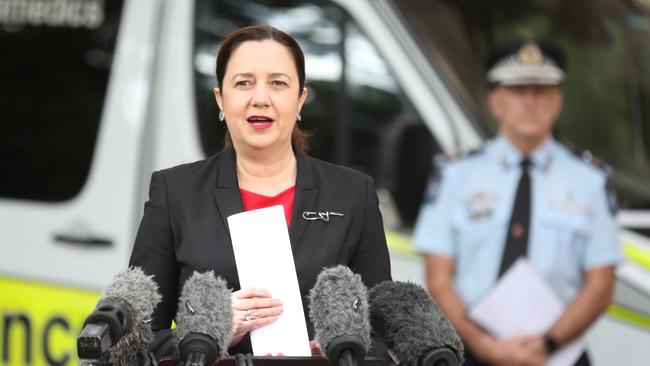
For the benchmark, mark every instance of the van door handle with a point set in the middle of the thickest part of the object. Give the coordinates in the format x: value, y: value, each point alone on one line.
x: 85, y: 240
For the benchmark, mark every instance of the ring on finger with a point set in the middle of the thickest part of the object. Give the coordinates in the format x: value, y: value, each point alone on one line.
x: 247, y: 315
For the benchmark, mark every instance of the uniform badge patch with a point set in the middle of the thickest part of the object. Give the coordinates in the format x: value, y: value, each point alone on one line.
x: 480, y: 206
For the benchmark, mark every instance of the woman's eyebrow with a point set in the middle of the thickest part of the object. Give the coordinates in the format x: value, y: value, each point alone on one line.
x: 243, y: 75
x: 279, y: 74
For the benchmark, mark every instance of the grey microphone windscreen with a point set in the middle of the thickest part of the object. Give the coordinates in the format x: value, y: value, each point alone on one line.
x: 140, y: 293
x: 410, y: 321
x: 205, y: 306
x: 339, y: 307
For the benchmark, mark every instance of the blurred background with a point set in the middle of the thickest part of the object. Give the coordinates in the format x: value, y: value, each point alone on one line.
x: 97, y: 94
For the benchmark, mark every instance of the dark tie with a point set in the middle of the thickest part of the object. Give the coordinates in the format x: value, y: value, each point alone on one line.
x: 517, y: 236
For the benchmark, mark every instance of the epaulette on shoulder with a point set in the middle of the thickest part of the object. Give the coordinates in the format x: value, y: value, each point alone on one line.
x: 473, y: 152
x: 442, y: 159
x: 591, y: 159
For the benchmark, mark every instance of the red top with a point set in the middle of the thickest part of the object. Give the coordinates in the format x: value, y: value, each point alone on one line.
x: 253, y: 201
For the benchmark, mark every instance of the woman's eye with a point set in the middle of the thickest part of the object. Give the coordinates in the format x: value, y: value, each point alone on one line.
x: 244, y: 83
x: 279, y: 83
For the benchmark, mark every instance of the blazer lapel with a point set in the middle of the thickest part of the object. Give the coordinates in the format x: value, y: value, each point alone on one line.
x: 306, y: 195
x: 228, y: 197
x: 226, y: 192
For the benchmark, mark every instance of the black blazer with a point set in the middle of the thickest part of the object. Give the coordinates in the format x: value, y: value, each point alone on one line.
x: 185, y: 229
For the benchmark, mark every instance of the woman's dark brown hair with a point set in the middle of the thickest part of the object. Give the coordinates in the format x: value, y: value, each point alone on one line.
x: 262, y: 33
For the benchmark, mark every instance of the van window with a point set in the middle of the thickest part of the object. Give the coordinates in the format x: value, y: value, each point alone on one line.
x: 607, y: 91
x: 355, y: 109
x: 55, y: 61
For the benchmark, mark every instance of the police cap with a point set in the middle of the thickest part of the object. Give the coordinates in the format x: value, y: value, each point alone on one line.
x: 526, y: 62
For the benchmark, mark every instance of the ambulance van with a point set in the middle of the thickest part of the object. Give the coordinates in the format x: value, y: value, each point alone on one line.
x: 97, y: 94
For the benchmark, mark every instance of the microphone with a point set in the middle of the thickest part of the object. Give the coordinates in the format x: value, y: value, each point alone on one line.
x: 204, y: 319
x: 117, y: 332
x: 415, y: 330
x: 339, y: 311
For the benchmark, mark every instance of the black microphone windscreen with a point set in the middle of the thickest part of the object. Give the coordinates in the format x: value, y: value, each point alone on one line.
x: 205, y: 306
x: 410, y: 321
x: 140, y: 293
x: 339, y: 307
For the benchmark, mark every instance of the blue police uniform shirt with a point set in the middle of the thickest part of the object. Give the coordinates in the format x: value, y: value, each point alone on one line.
x: 467, y: 211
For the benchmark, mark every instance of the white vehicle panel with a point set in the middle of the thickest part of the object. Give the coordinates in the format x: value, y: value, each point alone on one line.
x: 103, y: 208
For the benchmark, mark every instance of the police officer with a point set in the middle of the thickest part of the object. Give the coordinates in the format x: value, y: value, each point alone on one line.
x: 521, y: 194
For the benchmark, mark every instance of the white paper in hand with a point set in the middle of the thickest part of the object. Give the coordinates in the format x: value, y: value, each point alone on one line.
x: 264, y: 259
x: 522, y: 302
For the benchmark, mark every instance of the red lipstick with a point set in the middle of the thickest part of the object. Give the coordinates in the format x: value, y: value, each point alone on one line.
x: 260, y: 122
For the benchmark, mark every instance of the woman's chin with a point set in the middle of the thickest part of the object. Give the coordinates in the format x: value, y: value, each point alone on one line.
x: 263, y: 142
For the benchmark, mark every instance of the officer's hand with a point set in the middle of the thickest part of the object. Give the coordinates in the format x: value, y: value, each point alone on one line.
x: 536, y: 346
x: 518, y: 351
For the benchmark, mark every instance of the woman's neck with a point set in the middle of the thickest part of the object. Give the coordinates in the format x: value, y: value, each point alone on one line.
x: 266, y: 173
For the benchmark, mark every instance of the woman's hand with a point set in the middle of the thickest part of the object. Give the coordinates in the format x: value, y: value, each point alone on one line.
x: 252, y: 308
x: 315, y: 348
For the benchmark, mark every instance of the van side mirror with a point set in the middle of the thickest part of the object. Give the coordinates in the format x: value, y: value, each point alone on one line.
x: 405, y: 164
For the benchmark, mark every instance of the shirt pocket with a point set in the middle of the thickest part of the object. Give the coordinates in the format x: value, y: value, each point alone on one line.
x: 477, y: 236
x: 563, y: 240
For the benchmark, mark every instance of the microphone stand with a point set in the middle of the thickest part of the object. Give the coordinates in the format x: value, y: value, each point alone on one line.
x: 243, y: 360
x: 345, y: 351
x: 146, y: 359
x: 347, y: 359
x: 198, y: 349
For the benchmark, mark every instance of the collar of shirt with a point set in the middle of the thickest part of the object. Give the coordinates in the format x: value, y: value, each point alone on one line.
x: 509, y: 157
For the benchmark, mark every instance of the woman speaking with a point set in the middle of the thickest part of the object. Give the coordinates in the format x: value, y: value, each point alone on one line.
x: 261, y: 90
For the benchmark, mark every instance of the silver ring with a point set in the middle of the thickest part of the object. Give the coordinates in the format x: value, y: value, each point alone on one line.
x: 247, y: 316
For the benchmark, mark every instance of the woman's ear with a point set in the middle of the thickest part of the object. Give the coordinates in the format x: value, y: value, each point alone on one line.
x: 303, y: 97
x: 217, y: 97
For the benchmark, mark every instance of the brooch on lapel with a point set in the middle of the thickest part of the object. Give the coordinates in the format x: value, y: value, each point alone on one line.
x: 325, y: 216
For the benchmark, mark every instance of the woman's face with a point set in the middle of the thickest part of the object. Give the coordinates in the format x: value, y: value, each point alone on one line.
x: 260, y: 95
